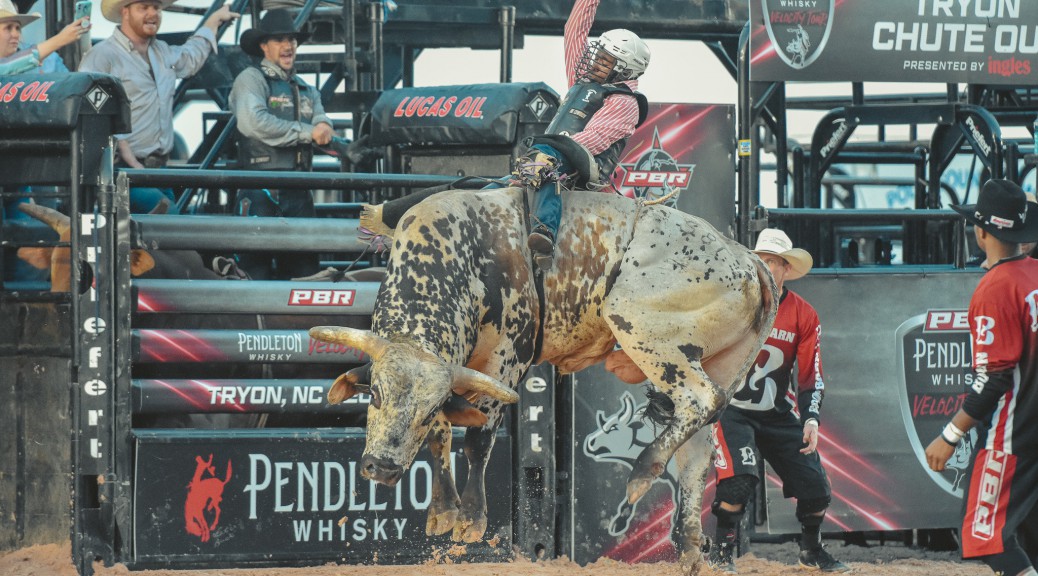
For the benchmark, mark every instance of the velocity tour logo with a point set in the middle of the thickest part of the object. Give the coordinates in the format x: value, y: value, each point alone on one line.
x: 798, y: 29
x: 934, y: 358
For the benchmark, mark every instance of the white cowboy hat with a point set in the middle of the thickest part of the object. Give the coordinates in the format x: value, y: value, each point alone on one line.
x: 9, y: 13
x: 772, y: 241
x: 112, y: 10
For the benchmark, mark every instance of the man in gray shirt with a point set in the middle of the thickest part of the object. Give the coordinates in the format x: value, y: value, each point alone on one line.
x: 279, y: 118
x: 149, y: 69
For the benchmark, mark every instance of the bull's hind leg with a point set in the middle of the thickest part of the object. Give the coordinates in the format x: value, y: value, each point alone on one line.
x: 443, y: 507
x: 696, y: 400
x: 693, y: 460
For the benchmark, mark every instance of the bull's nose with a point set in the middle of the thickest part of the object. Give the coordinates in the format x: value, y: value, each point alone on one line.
x: 381, y: 471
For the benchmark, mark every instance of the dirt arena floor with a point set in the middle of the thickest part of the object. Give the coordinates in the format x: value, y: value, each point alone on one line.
x: 765, y: 560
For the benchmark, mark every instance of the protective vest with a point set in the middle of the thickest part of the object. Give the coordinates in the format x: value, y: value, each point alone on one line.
x: 582, y: 101
x: 288, y: 100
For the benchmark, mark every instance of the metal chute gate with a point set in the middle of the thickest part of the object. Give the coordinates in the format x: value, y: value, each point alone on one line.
x: 169, y: 464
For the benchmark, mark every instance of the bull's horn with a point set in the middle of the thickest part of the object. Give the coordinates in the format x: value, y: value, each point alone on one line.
x: 469, y: 380
x: 49, y: 216
x: 365, y: 340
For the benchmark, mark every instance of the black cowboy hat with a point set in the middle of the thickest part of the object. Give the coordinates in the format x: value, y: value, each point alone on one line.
x: 278, y: 22
x: 1003, y: 211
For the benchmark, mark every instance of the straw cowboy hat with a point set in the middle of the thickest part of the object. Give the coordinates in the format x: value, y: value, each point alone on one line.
x: 277, y: 22
x: 772, y: 241
x: 1003, y: 211
x: 8, y: 13
x: 112, y: 10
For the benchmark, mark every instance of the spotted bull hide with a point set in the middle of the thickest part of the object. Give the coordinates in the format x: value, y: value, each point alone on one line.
x: 459, y: 313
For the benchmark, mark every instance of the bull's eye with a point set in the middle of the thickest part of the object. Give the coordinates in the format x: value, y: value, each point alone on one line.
x: 376, y: 397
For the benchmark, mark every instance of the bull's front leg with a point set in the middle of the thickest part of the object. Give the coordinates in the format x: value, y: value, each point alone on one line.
x: 472, y: 523
x: 696, y: 401
x: 443, y: 507
x: 694, y: 460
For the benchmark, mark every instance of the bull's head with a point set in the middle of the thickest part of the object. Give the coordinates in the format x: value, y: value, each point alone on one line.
x: 59, y: 260
x: 410, y: 387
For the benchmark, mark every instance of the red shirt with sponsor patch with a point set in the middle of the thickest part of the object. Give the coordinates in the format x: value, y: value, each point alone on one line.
x: 795, y: 339
x: 1004, y: 328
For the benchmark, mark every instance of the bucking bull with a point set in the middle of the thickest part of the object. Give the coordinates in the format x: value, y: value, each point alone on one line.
x: 457, y: 322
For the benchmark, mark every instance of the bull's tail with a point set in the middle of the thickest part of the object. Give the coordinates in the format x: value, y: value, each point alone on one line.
x: 769, y: 297
x: 382, y: 219
x: 372, y: 223
x: 659, y: 409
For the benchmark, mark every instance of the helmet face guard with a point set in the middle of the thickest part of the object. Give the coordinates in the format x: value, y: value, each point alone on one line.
x: 616, y: 56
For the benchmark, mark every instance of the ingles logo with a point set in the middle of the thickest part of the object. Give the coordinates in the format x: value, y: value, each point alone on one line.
x: 204, y: 496
x: 798, y: 29
x: 656, y: 174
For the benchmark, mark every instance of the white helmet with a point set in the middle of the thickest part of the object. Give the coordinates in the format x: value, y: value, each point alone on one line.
x: 631, y: 53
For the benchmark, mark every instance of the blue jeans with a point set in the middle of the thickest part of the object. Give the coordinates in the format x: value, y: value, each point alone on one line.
x: 144, y: 200
x: 282, y: 204
x: 547, y: 203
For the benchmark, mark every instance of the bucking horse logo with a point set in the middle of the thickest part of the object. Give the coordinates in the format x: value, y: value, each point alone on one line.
x: 620, y: 437
x: 204, y: 495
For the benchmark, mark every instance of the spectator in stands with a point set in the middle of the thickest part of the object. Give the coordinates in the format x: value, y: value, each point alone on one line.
x: 149, y: 69
x: 774, y: 415
x: 279, y: 117
x: 16, y: 58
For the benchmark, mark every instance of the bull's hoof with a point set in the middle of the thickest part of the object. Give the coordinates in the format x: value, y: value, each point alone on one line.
x: 691, y: 562
x: 441, y: 522
x: 637, y: 487
x: 470, y: 530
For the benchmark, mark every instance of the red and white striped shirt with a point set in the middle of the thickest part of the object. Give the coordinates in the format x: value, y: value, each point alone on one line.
x: 618, y: 116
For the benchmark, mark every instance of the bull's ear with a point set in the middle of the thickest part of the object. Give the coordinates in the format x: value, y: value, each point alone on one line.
x: 140, y: 262
x: 365, y: 340
x: 469, y: 380
x: 36, y: 257
x: 461, y: 413
x: 350, y: 383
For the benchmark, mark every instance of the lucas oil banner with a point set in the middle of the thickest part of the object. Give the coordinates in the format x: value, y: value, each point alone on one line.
x: 295, y: 495
x: 949, y: 41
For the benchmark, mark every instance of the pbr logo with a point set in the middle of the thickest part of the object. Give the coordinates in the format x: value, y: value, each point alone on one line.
x: 934, y: 361
x: 204, y: 496
x: 656, y: 174
x: 799, y: 29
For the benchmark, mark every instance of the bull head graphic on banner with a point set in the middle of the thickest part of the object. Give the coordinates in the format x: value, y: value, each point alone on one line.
x: 620, y: 438
x: 799, y: 29
x: 934, y: 360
